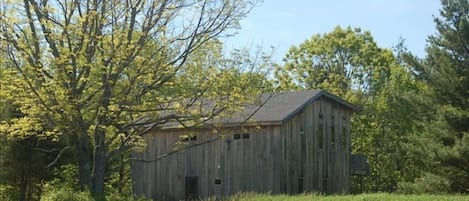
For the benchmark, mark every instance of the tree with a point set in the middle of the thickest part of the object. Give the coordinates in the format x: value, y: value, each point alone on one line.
x: 349, y: 63
x: 23, y: 164
x: 95, y: 74
x: 443, y: 146
x: 340, y: 61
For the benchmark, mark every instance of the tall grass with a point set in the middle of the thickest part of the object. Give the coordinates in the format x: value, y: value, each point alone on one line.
x: 360, y: 197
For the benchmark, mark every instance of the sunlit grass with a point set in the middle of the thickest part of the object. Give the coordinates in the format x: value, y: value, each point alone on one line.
x: 359, y: 197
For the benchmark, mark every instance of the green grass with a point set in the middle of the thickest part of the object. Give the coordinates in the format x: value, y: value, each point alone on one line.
x: 360, y: 197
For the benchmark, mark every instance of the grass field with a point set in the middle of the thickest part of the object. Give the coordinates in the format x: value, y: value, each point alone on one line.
x: 361, y: 197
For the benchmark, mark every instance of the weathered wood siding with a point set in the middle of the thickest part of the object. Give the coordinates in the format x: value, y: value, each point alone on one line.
x: 308, y: 153
x: 239, y: 164
x: 308, y: 165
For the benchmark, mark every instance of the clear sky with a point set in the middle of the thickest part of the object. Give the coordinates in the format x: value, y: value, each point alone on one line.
x: 283, y: 23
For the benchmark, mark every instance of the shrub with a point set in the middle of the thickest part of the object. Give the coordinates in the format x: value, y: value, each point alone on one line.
x: 428, y: 183
x: 7, y: 192
x: 64, y: 193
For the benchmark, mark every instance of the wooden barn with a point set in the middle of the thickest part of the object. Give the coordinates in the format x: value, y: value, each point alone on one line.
x: 296, y: 142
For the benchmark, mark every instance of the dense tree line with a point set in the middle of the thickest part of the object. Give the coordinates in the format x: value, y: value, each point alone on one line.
x: 81, y: 81
x: 415, y: 120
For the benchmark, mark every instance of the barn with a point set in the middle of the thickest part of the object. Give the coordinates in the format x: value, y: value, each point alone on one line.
x: 294, y: 142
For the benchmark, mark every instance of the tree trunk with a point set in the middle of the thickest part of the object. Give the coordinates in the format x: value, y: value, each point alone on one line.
x: 83, y: 151
x: 84, y: 162
x: 23, y: 187
x: 99, y: 169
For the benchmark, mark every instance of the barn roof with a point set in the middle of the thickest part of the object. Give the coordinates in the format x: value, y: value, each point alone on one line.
x: 270, y: 109
x: 280, y: 107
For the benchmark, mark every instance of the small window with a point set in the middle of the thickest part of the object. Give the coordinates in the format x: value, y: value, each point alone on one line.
x: 343, y: 138
x: 301, y: 130
x: 321, y: 136
x: 333, y: 137
x: 189, y: 138
x: 246, y: 136
x: 217, y: 181
x: 237, y: 136
x: 320, y: 116
x: 284, y: 148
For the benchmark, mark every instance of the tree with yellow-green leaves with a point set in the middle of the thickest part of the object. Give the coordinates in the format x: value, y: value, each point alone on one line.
x: 96, y: 73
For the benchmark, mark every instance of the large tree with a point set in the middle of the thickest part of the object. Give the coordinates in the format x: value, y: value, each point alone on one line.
x: 96, y: 73
x: 444, y: 145
x: 340, y: 61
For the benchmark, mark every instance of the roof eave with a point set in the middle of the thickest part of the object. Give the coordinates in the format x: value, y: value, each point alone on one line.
x: 316, y: 97
x: 229, y: 125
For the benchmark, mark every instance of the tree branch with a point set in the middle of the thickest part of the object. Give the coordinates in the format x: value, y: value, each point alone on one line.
x: 58, y: 156
x: 201, y: 143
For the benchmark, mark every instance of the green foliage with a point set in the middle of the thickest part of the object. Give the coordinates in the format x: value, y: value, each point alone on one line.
x: 23, y: 159
x: 339, y: 62
x: 443, y: 146
x: 7, y: 192
x: 349, y: 63
x: 67, y: 193
x: 64, y: 193
x: 96, y: 75
x: 65, y: 187
x: 360, y: 197
x: 22, y: 169
x: 428, y: 184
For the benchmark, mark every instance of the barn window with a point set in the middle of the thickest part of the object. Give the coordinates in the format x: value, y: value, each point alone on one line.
x: 237, y: 136
x: 333, y: 137
x: 332, y: 133
x: 343, y: 138
x: 246, y: 136
x: 321, y: 135
x: 189, y: 138
x: 302, y: 155
x: 284, y: 148
x: 217, y: 181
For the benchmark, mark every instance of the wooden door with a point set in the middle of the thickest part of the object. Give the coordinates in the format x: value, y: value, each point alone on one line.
x: 192, y: 186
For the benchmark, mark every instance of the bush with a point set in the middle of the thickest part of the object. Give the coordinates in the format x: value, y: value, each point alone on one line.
x: 7, y: 192
x: 64, y: 193
x: 120, y: 197
x: 428, y: 184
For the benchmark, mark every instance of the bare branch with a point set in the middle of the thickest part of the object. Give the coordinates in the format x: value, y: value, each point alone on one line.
x: 58, y: 156
x: 202, y: 143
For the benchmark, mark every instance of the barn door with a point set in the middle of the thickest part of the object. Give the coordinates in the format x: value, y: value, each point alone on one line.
x: 191, y: 188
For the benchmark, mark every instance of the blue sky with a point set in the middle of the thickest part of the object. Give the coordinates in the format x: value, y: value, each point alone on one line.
x: 282, y: 23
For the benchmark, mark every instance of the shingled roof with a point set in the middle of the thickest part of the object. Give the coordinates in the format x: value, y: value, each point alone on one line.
x: 270, y: 109
x: 280, y: 107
